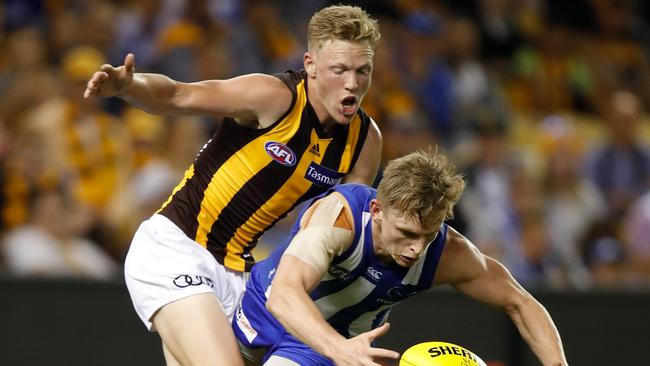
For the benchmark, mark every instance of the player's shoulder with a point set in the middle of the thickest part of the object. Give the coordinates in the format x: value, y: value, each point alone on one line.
x: 458, y: 247
x: 330, y: 210
x: 291, y: 77
x: 460, y: 259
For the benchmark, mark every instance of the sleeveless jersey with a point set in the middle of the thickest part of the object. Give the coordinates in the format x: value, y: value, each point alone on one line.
x: 244, y: 180
x: 355, y: 295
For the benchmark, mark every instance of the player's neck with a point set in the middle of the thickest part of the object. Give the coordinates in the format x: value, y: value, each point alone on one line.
x: 379, y: 250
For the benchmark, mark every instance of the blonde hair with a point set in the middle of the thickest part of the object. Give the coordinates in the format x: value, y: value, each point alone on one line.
x: 422, y: 185
x: 342, y: 22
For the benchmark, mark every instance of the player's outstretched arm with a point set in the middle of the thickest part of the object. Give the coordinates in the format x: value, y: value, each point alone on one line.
x: 487, y: 280
x: 254, y: 97
x: 326, y: 231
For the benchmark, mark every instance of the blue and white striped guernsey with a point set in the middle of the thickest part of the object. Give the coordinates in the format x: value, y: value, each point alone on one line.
x: 355, y: 295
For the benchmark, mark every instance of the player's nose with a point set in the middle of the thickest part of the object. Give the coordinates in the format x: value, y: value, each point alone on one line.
x: 351, y: 81
x: 417, y: 246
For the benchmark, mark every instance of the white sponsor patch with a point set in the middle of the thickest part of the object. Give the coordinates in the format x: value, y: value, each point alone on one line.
x: 244, y: 325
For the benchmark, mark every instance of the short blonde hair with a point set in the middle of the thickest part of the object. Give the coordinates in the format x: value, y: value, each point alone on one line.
x: 422, y: 185
x: 342, y: 22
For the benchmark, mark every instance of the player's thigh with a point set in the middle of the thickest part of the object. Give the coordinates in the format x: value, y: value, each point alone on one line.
x: 279, y: 361
x: 170, y: 360
x: 197, y: 332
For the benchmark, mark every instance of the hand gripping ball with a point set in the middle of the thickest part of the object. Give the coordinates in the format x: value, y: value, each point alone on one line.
x: 439, y: 354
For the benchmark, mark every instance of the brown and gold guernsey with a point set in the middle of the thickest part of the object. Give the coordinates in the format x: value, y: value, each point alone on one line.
x: 244, y: 180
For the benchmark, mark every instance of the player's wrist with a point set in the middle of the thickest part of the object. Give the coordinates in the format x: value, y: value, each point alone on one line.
x: 335, y: 347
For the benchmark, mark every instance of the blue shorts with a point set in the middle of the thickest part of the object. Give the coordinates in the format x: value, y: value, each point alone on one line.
x: 255, y: 328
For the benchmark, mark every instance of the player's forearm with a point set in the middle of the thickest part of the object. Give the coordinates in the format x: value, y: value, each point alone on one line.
x: 300, y: 317
x: 153, y: 93
x: 537, y: 328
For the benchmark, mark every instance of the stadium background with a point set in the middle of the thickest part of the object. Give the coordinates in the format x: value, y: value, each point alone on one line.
x: 542, y: 103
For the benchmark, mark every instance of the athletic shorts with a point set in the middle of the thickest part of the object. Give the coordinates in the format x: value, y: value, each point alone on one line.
x: 164, y: 265
x: 260, y: 336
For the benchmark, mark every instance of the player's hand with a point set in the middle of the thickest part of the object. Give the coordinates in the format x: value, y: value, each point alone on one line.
x: 110, y: 81
x: 358, y: 350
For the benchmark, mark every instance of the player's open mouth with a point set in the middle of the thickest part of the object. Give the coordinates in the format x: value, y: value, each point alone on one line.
x: 349, y: 106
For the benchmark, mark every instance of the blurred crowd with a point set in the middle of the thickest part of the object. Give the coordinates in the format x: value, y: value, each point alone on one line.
x: 541, y: 103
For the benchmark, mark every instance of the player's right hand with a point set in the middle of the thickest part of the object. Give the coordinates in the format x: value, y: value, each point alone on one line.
x: 110, y: 81
x: 358, y: 351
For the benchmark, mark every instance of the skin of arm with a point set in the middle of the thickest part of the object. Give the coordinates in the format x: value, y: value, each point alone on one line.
x: 255, y: 100
x: 367, y: 165
x: 478, y: 276
x: 298, y: 274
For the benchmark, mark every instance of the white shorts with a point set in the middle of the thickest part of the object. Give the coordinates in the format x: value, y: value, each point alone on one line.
x: 164, y: 265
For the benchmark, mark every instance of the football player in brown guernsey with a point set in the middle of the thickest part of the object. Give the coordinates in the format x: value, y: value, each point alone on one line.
x: 285, y: 138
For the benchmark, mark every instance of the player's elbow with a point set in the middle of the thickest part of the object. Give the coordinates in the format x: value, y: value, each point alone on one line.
x: 276, y: 304
x: 517, y: 304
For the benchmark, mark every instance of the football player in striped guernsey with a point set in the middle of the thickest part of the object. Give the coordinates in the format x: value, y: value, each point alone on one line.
x: 323, y: 297
x: 285, y: 138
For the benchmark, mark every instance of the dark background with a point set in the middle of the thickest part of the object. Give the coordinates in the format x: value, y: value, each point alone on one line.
x: 57, y: 322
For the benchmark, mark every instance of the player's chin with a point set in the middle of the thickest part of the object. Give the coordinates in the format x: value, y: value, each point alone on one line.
x: 344, y: 120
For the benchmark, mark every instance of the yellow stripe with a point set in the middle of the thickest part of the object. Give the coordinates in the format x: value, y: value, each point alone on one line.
x: 279, y: 203
x: 241, y: 166
x: 353, y: 137
x: 189, y: 173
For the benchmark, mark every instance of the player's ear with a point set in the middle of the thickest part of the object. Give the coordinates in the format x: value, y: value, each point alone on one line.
x: 375, y: 210
x: 310, y: 66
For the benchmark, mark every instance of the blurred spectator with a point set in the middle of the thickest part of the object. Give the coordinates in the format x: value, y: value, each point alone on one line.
x: 161, y: 149
x: 572, y: 203
x: 620, y: 166
x: 278, y: 45
x: 528, y: 252
x: 623, y: 49
x: 486, y: 205
x: 178, y: 43
x: 420, y: 49
x: 603, y: 252
x: 555, y: 75
x: 23, y: 173
x: 83, y: 143
x: 49, y: 245
x: 637, y: 230
x: 500, y: 36
x: 139, y: 24
x: 473, y: 90
x: 26, y: 79
x: 23, y: 12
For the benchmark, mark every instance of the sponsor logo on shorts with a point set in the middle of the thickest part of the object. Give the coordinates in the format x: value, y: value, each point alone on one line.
x: 183, y: 281
x: 244, y: 325
x: 322, y: 176
x: 280, y: 153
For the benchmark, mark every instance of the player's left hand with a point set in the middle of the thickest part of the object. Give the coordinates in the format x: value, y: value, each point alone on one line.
x: 358, y: 351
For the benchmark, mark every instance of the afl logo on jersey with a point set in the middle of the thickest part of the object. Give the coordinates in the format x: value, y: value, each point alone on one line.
x: 280, y: 153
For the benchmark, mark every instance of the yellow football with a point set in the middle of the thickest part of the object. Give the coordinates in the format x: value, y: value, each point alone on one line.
x: 439, y: 354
